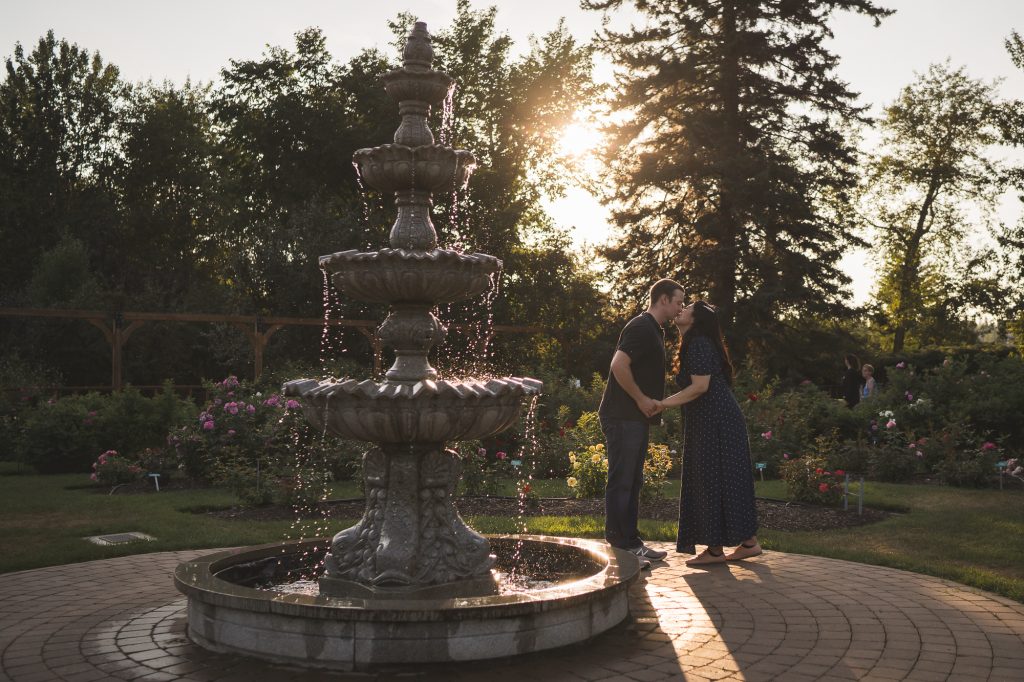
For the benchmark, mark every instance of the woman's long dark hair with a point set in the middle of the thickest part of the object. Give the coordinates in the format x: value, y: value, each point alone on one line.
x: 705, y: 323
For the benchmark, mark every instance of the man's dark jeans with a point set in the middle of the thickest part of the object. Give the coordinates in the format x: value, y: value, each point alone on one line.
x: 627, y: 448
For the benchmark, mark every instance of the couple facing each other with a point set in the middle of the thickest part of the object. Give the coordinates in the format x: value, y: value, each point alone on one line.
x: 716, y: 502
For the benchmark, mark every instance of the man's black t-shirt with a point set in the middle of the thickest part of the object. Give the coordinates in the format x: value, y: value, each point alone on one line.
x: 643, y: 340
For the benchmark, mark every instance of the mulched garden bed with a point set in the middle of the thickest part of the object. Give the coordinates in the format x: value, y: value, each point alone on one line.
x: 773, y: 514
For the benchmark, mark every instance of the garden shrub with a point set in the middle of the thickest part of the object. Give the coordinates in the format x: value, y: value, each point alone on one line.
x: 111, y: 469
x: 63, y: 435
x: 589, y: 473
x: 892, y: 464
x: 262, y: 448
x: 481, y: 476
x: 809, y: 480
x: 973, y: 468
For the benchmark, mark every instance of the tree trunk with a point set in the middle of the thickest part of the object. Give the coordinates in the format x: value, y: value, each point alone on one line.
x: 911, y: 264
x: 723, y: 288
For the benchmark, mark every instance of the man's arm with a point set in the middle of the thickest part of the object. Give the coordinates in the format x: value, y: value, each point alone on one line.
x: 622, y: 369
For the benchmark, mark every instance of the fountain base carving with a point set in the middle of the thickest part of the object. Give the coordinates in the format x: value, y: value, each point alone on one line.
x: 410, y: 537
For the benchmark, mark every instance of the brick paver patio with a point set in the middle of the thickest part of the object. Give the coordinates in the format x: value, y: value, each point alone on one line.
x: 782, y: 616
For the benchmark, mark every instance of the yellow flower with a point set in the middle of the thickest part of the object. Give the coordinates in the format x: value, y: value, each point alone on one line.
x: 572, y: 458
x: 571, y: 481
x: 599, y: 446
x: 596, y: 458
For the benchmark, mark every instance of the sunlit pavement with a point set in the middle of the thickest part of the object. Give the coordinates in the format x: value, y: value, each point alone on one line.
x: 780, y: 616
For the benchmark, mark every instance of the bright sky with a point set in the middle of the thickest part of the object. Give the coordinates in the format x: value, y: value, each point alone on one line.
x: 192, y: 38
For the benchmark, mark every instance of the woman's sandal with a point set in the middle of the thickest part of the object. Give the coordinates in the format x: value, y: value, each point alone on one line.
x: 707, y: 557
x: 745, y: 551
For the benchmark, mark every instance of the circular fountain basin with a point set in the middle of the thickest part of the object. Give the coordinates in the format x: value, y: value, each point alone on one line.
x: 345, y: 634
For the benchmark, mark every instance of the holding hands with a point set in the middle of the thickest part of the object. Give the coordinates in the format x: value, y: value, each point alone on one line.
x: 650, y: 407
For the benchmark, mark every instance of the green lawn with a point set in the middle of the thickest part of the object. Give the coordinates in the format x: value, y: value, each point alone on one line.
x: 975, y: 537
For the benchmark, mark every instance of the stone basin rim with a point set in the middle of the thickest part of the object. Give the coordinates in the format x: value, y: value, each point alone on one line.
x: 197, y: 580
x: 425, y: 389
x: 408, y: 256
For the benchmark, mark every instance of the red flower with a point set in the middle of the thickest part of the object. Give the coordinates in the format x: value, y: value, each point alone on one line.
x: 819, y: 471
x: 526, y: 488
x: 840, y: 472
x: 823, y: 487
x: 752, y: 397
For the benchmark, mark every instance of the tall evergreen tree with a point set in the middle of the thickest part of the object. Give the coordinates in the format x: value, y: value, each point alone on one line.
x: 728, y: 163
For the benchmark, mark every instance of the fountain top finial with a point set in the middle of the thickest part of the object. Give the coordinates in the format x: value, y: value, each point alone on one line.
x: 418, y: 54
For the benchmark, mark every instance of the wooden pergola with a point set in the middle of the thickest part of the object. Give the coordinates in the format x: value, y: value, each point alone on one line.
x: 117, y: 328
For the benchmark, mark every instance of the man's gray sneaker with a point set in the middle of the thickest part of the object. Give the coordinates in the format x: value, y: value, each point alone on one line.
x: 645, y: 552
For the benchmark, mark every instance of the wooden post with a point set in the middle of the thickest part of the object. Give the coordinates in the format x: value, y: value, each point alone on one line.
x: 116, y: 334
x: 378, y: 350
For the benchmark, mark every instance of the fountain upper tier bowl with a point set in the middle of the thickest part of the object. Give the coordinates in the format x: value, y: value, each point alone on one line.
x: 430, y: 87
x: 406, y: 276
x: 426, y: 411
x: 430, y: 168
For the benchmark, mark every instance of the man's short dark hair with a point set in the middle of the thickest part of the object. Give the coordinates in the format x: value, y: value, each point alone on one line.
x: 664, y: 287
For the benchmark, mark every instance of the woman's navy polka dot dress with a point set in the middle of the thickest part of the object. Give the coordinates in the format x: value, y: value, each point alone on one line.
x: 716, y: 503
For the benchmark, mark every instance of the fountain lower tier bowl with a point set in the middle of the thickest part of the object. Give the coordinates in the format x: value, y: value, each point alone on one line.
x: 226, y: 613
x: 404, y: 276
x: 429, y: 168
x: 424, y: 412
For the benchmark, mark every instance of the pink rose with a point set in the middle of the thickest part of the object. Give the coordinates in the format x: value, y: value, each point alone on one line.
x: 785, y: 455
x: 901, y: 365
x: 767, y: 435
x: 890, y: 424
x: 231, y: 432
x: 988, y: 445
x: 291, y: 404
x: 93, y: 476
x: 500, y: 455
x: 481, y: 452
x: 208, y: 425
x: 251, y: 409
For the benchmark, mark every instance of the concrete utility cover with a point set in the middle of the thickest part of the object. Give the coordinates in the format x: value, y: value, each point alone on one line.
x: 119, y: 538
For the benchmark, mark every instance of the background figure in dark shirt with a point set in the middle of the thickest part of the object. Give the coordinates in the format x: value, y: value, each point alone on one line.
x: 628, y: 408
x: 852, y: 381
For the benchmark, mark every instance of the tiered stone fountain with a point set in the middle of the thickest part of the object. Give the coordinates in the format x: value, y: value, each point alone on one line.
x: 410, y: 582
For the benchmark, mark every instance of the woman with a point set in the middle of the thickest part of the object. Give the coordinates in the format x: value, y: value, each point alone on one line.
x: 868, y: 372
x: 852, y: 381
x: 716, y: 504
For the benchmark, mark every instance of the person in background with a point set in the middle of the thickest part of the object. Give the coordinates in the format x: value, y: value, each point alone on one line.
x: 868, y: 372
x: 852, y: 381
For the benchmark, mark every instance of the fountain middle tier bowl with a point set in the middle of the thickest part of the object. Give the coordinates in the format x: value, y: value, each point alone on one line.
x: 427, y: 411
x: 430, y: 168
x: 401, y: 276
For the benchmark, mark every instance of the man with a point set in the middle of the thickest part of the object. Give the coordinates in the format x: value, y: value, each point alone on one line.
x: 635, y: 380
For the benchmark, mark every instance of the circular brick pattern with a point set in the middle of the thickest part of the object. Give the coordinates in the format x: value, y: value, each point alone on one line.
x: 781, y: 616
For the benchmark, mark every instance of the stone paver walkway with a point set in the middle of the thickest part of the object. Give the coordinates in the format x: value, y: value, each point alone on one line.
x: 782, y: 616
